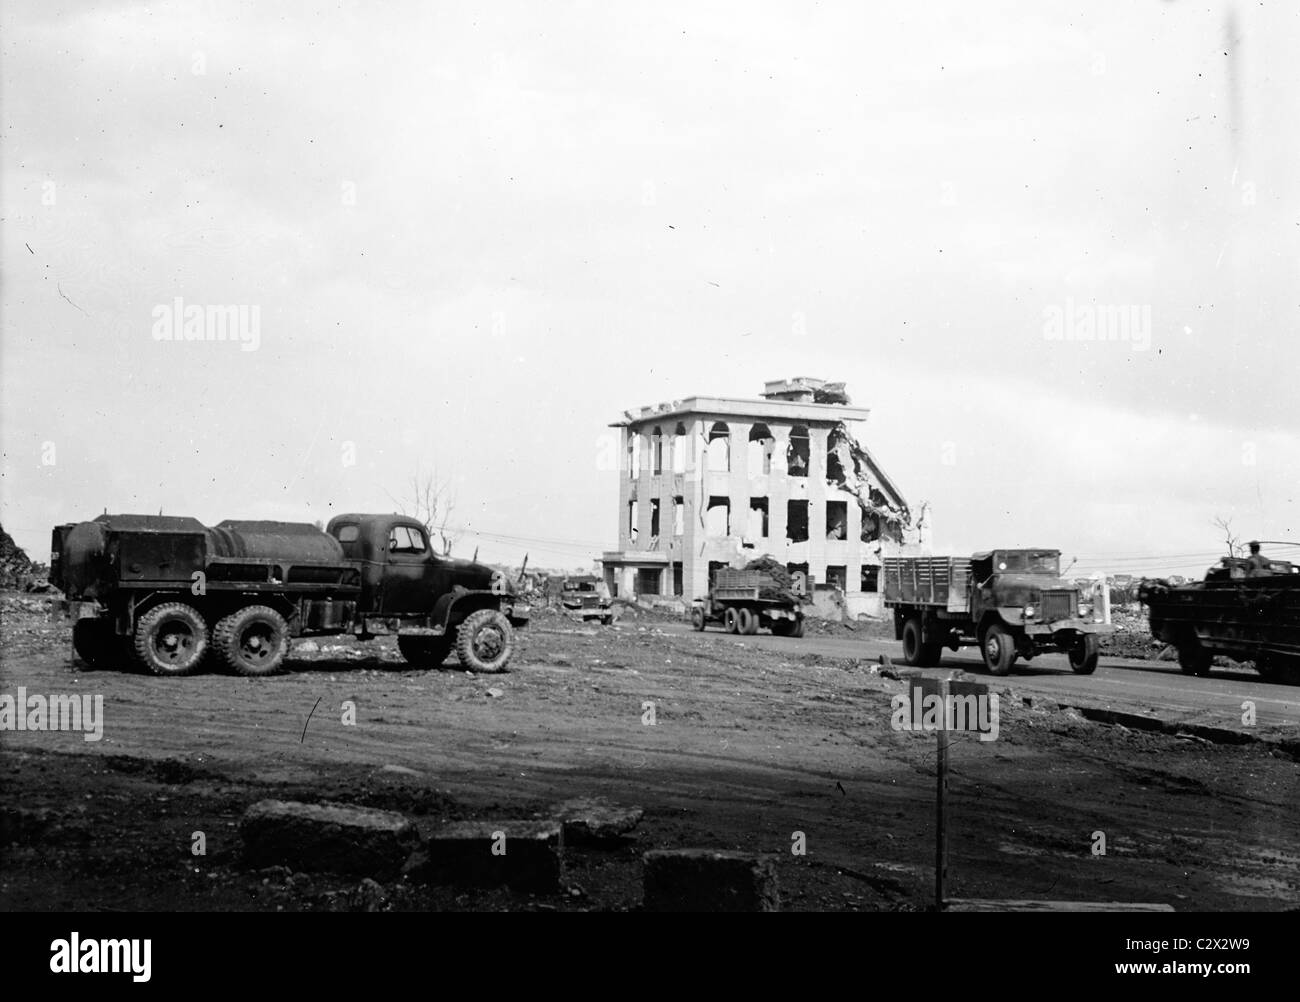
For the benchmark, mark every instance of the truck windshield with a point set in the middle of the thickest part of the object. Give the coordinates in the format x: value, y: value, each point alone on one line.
x: 1030, y: 562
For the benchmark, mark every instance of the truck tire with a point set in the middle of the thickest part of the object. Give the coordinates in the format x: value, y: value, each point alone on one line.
x: 1194, y: 659
x: 252, y: 641
x: 170, y: 639
x: 95, y: 642
x: 697, y: 617
x: 746, y: 622
x: 1083, y: 654
x: 916, y: 652
x: 731, y: 620
x: 485, y: 641
x: 788, y: 627
x: 424, y: 652
x: 999, y: 649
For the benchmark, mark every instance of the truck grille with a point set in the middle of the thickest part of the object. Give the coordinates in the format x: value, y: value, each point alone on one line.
x: 1059, y: 605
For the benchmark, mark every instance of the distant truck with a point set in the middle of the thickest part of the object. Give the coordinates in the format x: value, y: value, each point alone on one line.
x: 585, y: 597
x: 745, y: 601
x: 172, y: 594
x: 1231, y: 613
x: 1009, y: 603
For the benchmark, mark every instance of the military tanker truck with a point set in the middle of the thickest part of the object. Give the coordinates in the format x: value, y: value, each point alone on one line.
x: 173, y: 595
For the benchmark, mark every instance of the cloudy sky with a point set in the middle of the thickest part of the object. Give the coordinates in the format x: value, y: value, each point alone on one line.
x: 474, y: 234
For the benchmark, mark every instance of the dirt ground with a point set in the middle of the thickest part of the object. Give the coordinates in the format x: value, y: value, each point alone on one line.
x: 747, y: 748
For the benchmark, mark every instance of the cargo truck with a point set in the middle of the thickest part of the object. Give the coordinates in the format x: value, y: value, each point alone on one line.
x: 745, y: 601
x: 173, y: 595
x: 1009, y: 603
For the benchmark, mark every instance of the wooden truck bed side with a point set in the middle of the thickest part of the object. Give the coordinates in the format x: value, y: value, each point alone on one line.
x: 936, y: 581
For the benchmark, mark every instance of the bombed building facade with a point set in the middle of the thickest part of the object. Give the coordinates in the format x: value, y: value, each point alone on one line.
x: 710, y: 482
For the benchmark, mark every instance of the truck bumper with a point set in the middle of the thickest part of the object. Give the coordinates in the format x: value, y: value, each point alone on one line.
x: 1045, y: 631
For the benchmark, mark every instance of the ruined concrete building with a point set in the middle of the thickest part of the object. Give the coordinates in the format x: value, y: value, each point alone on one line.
x: 712, y: 482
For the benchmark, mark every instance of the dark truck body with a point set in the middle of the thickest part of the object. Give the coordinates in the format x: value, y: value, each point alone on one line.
x: 1009, y: 603
x: 168, y: 591
x: 744, y: 601
x: 586, y: 598
x: 1231, y: 613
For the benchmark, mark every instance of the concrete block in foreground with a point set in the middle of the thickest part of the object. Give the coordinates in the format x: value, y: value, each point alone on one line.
x: 709, y: 880
x: 987, y: 905
x: 332, y: 838
x: 521, y: 854
x: 589, y: 821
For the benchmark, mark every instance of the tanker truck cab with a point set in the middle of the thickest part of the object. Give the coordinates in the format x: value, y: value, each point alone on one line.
x: 431, y: 603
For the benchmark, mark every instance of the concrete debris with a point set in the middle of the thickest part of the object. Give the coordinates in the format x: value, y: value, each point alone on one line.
x: 854, y: 470
x: 522, y: 854
x: 16, y: 568
x: 594, y: 821
x: 334, y: 838
x: 709, y: 880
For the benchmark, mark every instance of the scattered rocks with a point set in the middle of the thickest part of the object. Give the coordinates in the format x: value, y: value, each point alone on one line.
x: 336, y: 838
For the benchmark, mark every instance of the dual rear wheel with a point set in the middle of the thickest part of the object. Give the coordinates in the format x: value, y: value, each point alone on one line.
x: 173, y: 639
x: 916, y: 650
x: 741, y: 620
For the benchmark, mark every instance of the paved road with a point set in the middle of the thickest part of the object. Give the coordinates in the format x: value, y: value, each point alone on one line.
x: 1126, y: 684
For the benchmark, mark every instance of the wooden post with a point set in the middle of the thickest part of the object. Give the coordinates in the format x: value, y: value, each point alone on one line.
x: 941, y: 831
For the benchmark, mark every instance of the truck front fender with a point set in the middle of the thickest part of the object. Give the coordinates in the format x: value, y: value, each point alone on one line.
x: 456, y: 605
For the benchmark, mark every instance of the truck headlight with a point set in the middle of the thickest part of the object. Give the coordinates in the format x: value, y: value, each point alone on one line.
x: 1085, y: 609
x: 1029, y: 612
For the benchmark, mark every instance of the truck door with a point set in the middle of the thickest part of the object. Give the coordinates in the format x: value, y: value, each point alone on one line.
x: 408, y: 571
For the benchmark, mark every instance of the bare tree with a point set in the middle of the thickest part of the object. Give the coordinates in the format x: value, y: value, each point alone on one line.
x: 1232, y: 541
x: 431, y: 500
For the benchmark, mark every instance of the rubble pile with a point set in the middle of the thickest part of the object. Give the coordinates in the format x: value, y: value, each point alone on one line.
x: 781, y: 588
x: 15, y: 565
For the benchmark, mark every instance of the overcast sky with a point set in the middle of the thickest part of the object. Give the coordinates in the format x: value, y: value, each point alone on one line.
x: 476, y: 233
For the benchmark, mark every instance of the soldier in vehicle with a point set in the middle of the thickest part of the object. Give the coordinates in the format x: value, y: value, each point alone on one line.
x: 1257, y: 565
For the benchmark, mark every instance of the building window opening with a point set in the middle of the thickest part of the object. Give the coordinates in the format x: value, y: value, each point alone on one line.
x: 648, y: 580
x: 757, y: 518
x: 796, y: 521
x: 761, y: 444
x: 679, y: 449
x: 632, y: 519
x: 657, y: 450
x: 634, y: 455
x: 679, y: 516
x: 837, y: 576
x: 870, y: 577
x: 837, y: 520
x: 654, y: 517
x: 719, y: 448
x: 719, y: 517
x: 796, y: 453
